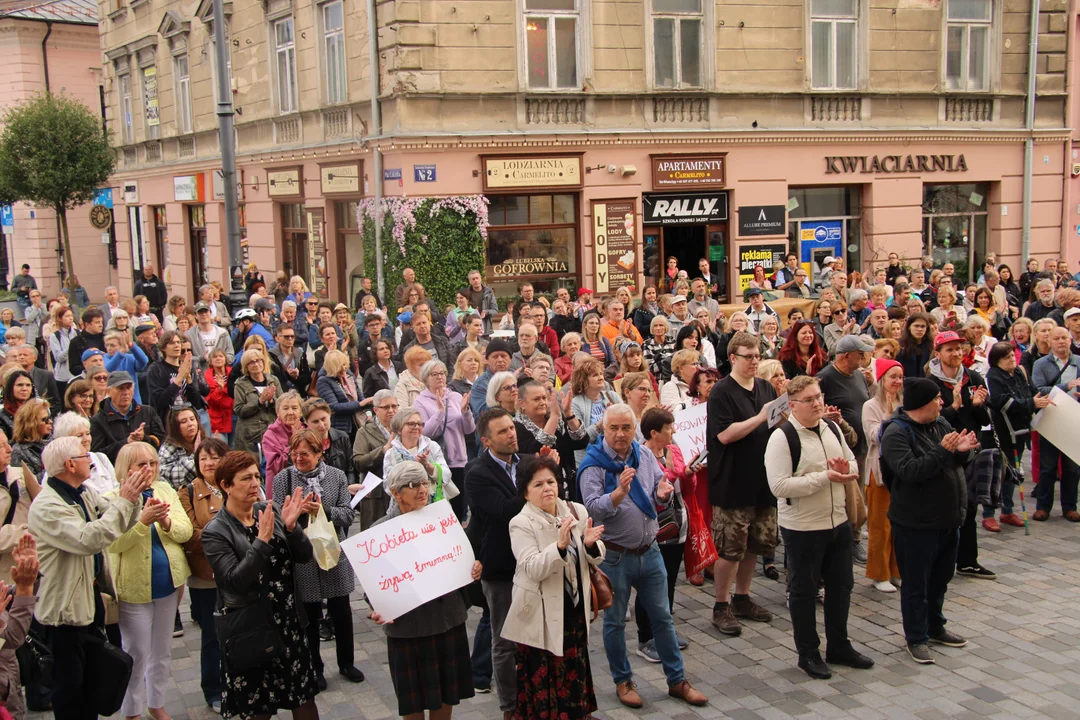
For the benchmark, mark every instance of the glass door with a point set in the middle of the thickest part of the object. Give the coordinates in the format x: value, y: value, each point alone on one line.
x: 955, y: 226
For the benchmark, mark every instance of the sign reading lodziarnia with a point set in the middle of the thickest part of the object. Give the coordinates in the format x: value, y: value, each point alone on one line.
x: 687, y: 172
x: 533, y: 171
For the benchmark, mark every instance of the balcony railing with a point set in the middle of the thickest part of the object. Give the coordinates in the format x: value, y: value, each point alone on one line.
x: 554, y: 111
x: 689, y: 110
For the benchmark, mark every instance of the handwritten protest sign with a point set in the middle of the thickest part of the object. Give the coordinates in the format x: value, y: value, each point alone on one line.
x: 1058, y: 422
x: 690, y: 430
x: 778, y: 408
x: 404, y: 562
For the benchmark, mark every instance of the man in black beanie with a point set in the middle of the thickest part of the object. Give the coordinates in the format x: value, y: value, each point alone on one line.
x: 922, y: 463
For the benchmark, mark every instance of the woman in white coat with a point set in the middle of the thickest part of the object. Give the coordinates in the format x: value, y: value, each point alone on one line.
x: 554, y: 543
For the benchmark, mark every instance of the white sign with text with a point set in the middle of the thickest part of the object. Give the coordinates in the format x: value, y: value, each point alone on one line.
x: 690, y: 430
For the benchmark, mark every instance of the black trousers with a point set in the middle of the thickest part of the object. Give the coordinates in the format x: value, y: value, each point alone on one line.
x: 458, y: 503
x: 814, y: 557
x: 967, y: 548
x: 68, y: 644
x: 341, y: 617
x: 927, y: 560
x: 673, y: 556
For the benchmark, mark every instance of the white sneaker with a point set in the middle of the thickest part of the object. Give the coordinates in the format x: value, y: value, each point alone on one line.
x: 896, y: 581
x: 885, y: 586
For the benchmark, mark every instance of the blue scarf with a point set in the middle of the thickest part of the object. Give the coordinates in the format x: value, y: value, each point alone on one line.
x: 596, y: 456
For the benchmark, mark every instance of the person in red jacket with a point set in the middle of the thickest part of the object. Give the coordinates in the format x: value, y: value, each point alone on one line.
x: 219, y: 404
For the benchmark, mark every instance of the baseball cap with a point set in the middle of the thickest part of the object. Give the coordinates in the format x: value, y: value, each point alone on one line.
x: 89, y: 353
x: 405, y: 317
x: 201, y: 306
x: 245, y: 314
x: 749, y: 293
x: 854, y: 343
x: 1072, y: 311
x: 678, y: 299
x: 263, y: 305
x: 945, y: 337
x: 584, y: 291
x: 828, y: 260
x: 119, y: 378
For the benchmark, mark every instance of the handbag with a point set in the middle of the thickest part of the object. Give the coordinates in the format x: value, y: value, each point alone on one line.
x: 108, y: 672
x: 600, y: 592
x: 324, y: 540
x: 669, y: 519
x: 35, y: 659
x: 700, y: 550
x: 247, y: 636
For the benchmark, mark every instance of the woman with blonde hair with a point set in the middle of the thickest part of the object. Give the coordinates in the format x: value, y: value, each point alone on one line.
x: 298, y: 290
x: 32, y: 428
x: 149, y: 566
x: 63, y: 319
x: 675, y: 394
x: 339, y: 388
x: 409, y: 385
x: 102, y: 473
x: 256, y: 394
x: 887, y: 396
x: 949, y: 315
x: 591, y: 398
x: 467, y: 368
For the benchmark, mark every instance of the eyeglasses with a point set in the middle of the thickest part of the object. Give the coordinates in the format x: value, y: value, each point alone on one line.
x: 751, y: 358
x: 437, y: 373
x: 287, y: 337
x: 388, y: 407
x: 79, y: 457
x: 100, y: 377
x: 809, y: 401
x: 417, y: 485
x: 414, y: 424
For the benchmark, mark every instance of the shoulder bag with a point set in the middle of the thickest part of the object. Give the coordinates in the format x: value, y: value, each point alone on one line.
x: 669, y: 519
x: 248, y: 637
x: 602, y: 596
x: 108, y: 672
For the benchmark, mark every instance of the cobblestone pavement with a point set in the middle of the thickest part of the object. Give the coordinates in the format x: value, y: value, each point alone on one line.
x: 1023, y: 632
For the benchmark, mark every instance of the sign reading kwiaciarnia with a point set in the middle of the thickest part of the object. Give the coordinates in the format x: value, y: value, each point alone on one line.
x: 404, y: 562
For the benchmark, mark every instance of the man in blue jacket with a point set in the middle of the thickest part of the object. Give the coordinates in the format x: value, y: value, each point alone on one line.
x: 1058, y: 369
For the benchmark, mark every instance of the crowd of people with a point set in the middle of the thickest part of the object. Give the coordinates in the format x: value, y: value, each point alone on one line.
x: 149, y: 451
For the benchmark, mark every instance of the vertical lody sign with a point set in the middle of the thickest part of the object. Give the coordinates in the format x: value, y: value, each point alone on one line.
x: 317, y: 253
x: 614, y: 246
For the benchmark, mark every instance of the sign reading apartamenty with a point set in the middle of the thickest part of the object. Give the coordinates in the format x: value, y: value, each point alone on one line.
x: 682, y: 172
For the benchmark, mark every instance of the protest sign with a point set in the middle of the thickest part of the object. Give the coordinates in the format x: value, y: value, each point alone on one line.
x: 370, y: 483
x: 1058, y: 422
x: 778, y: 410
x: 410, y: 559
x: 690, y: 430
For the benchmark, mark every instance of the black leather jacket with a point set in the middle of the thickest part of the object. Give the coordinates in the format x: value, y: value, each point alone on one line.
x: 237, y: 562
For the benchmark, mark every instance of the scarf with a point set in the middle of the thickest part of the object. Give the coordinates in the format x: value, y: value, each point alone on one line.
x: 536, y: 431
x: 596, y: 456
x: 348, y: 386
x: 937, y: 371
x: 312, y: 480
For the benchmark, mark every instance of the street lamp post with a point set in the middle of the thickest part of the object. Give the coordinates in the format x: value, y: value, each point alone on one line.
x: 227, y: 140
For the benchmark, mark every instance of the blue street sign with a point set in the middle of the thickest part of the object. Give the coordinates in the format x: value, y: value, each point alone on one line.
x: 423, y: 173
x: 103, y: 196
x: 7, y: 218
x: 391, y: 174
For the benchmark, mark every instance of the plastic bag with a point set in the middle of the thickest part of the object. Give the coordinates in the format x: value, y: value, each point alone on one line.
x: 700, y: 551
x: 324, y: 540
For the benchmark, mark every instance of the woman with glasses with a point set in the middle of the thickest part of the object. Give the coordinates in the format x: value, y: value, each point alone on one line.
x: 373, y: 441
x: 771, y: 342
x: 410, y: 443
x: 427, y: 648
x: 18, y: 390
x: 79, y: 398
x: 502, y: 391
x: 150, y: 566
x: 99, y: 381
x: 32, y: 429
x: 329, y: 489
x: 802, y: 353
x: 102, y: 474
x: 177, y: 455
x: 447, y: 420
x: 275, y: 441
x: 675, y: 393
x: 843, y: 323
x: 176, y: 307
x: 823, y: 316
x: 172, y: 381
x: 801, y: 287
x: 256, y: 396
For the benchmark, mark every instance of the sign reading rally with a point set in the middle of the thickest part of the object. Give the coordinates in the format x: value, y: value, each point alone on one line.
x: 404, y: 562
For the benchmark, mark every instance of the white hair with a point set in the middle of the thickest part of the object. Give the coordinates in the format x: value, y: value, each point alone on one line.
x: 68, y: 424
x: 498, y: 380
x: 621, y: 409
x: 58, y: 452
x: 288, y: 305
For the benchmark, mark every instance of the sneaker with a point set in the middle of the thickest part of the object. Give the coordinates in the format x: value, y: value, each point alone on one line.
x: 814, y: 666
x: 991, y: 524
x: 724, y: 621
x: 865, y: 533
x: 920, y: 653
x: 215, y: 707
x: 178, y: 627
x: 647, y: 650
x: 483, y: 689
x: 976, y: 571
x: 1011, y: 519
x: 744, y: 607
x: 949, y: 639
x: 682, y: 642
x: 885, y: 586
x: 858, y: 551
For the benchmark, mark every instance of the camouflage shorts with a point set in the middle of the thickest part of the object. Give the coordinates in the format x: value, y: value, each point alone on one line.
x: 740, y: 531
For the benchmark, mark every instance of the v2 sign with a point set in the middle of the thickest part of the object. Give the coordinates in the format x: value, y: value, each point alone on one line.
x: 684, y: 208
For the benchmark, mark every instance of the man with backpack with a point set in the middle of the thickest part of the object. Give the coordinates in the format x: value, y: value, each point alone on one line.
x: 922, y: 464
x: 808, y: 464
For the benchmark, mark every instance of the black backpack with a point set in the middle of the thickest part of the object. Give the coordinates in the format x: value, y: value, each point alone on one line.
x: 795, y: 444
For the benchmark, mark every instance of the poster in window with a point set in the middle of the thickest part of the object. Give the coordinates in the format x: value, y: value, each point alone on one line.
x: 769, y: 257
x: 150, y: 92
x: 614, y: 244
x: 317, y: 253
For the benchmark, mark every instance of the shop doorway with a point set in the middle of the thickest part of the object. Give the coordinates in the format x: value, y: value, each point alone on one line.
x: 687, y: 243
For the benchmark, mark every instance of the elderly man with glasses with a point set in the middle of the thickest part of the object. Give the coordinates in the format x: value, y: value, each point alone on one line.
x: 370, y: 447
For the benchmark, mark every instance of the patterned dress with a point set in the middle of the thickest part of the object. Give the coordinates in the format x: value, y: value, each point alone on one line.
x: 289, y: 681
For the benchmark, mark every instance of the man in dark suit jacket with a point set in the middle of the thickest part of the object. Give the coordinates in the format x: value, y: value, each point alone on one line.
x: 494, y: 500
x: 44, y: 382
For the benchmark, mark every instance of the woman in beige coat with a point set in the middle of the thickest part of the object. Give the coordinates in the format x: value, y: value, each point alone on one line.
x: 554, y: 543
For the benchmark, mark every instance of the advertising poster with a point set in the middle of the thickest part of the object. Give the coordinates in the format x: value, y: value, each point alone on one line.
x: 769, y: 257
x: 818, y: 240
x: 150, y: 92
x: 614, y: 229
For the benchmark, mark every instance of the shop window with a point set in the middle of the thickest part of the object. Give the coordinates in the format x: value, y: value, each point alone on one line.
x: 677, y: 43
x: 534, y: 238
x: 834, y: 27
x: 967, y: 44
x: 161, y: 238
x: 825, y: 221
x: 333, y: 26
x: 551, y: 44
x: 955, y: 225
x: 285, y: 65
x: 295, y: 241
x: 200, y: 253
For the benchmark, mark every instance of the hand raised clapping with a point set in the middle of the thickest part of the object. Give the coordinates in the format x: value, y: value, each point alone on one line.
x: 592, y: 533
x: 839, y: 471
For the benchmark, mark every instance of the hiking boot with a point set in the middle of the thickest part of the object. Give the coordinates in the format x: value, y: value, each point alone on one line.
x: 724, y: 621
x: 949, y: 639
x: 991, y: 524
x: 628, y: 694
x: 920, y: 653
x: 744, y: 607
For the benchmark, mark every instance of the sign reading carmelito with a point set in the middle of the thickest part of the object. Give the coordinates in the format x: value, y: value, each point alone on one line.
x: 888, y: 164
x: 284, y: 182
x: 341, y: 179
x: 517, y: 172
x: 688, y: 171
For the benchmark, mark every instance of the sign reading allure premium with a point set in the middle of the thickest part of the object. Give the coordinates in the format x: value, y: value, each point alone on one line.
x: 562, y: 171
x: 762, y: 220
x: 889, y: 164
x: 684, y: 172
x: 683, y: 208
x: 613, y: 244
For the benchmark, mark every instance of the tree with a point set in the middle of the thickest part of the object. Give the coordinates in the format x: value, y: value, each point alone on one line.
x: 54, y: 153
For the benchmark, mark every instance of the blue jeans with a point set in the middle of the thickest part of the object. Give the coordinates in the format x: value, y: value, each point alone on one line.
x: 203, y: 601
x: 647, y: 574
x: 481, y: 652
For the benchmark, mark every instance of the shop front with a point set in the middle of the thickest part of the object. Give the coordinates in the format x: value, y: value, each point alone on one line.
x: 825, y: 222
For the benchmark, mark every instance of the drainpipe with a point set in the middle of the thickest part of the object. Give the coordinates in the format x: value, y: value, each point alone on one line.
x: 376, y: 129
x: 1029, y: 126
x: 45, y: 52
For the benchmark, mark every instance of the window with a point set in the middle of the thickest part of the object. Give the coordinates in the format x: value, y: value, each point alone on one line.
x: 161, y: 239
x: 834, y: 44
x: 285, y: 51
x: 183, y: 94
x: 955, y: 226
x: 124, y: 91
x: 531, y: 237
x: 967, y: 45
x: 295, y: 245
x: 551, y: 44
x: 677, y: 43
x: 200, y: 252
x: 150, y: 100
x: 333, y: 21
